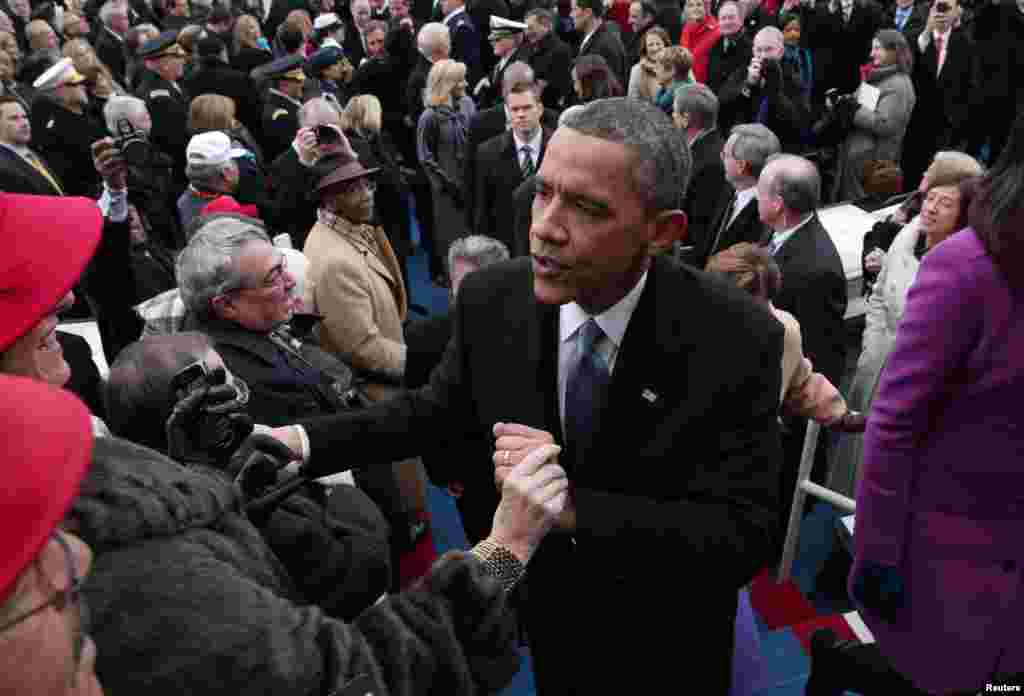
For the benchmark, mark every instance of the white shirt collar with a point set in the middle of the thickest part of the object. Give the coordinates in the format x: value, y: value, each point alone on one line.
x: 938, y: 34
x: 589, y: 36
x: 700, y: 135
x: 534, y: 144
x: 454, y: 13
x: 779, y: 238
x: 111, y: 32
x: 742, y: 199
x: 613, y: 321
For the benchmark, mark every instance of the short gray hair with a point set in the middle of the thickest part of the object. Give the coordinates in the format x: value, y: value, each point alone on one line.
x: 119, y: 107
x: 663, y: 157
x: 316, y: 105
x: 205, y: 176
x: 755, y: 143
x: 796, y: 181
x: 478, y: 249
x: 206, y: 266
x: 109, y: 8
x: 432, y: 36
x: 697, y: 100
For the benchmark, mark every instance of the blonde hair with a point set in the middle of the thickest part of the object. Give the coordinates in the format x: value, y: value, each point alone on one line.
x: 242, y: 24
x: 950, y: 167
x: 209, y: 112
x: 363, y: 113
x: 441, y: 82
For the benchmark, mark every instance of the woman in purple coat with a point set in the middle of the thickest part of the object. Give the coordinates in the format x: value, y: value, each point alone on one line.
x: 939, y: 564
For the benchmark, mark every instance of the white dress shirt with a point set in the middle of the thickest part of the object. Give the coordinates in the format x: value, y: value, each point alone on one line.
x: 613, y: 322
x: 534, y: 144
x: 742, y: 198
x: 780, y: 238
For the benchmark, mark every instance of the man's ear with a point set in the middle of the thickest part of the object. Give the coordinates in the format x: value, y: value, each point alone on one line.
x: 669, y: 226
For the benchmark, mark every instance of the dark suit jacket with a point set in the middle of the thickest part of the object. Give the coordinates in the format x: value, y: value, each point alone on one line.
x: 480, y: 11
x: 814, y: 291
x: 231, y: 83
x: 707, y: 182
x: 789, y: 109
x: 18, y: 176
x: 497, y: 175
x: 722, y: 65
x: 465, y: 41
x: 747, y: 227
x: 111, y: 51
x: 551, y: 60
x: 606, y: 43
x: 687, y: 467
x: 839, y: 47
x: 522, y: 201
x: 484, y: 125
x: 913, y: 25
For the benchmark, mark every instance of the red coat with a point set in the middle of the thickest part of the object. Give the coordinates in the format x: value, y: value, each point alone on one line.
x: 698, y: 39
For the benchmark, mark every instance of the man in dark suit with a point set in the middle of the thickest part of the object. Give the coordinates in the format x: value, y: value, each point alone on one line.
x: 21, y: 170
x: 465, y: 38
x: 732, y: 51
x: 114, y: 24
x: 813, y: 290
x: 355, y: 31
x: 215, y: 76
x: 599, y: 38
x: 840, y: 39
x: 600, y: 343
x: 695, y: 112
x: 550, y: 58
x: 908, y: 17
x: 481, y: 11
x: 505, y: 160
x: 768, y: 91
x: 491, y: 123
x: 735, y: 218
x: 945, y: 81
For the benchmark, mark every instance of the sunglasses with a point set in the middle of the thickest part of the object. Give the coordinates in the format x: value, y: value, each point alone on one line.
x: 62, y: 599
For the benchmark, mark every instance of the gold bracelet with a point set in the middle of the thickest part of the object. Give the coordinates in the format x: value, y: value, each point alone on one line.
x: 499, y: 563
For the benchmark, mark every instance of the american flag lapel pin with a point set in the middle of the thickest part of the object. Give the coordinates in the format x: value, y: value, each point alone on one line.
x: 649, y: 395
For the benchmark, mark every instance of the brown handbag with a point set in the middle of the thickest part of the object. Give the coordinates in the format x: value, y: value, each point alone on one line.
x: 882, y: 178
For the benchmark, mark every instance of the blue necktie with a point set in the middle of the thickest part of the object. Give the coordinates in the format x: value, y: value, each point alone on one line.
x: 586, y: 391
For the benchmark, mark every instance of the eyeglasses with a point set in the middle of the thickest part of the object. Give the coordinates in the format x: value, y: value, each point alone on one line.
x: 61, y: 599
x: 274, y: 278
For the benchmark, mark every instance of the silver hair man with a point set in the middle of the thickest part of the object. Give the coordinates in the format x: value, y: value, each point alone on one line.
x: 131, y: 108
x: 754, y: 143
x: 699, y: 102
x: 434, y: 41
x: 206, y: 267
x: 663, y: 157
x: 796, y: 181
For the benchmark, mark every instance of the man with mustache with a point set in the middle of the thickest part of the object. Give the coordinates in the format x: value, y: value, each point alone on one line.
x: 661, y: 386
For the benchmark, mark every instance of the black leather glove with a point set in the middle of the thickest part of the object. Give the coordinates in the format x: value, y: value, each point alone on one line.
x: 207, y: 426
x: 255, y: 464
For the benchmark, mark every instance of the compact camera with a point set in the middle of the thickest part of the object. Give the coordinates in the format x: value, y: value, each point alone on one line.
x: 131, y: 144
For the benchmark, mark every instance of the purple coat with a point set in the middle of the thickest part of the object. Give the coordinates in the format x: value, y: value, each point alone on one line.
x: 942, y: 490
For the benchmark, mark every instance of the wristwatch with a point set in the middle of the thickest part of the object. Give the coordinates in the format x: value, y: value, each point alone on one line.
x: 499, y: 563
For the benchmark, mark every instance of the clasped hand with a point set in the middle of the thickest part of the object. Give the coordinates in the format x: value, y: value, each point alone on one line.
x: 534, y: 488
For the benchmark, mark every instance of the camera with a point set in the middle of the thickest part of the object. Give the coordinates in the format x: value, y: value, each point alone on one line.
x: 325, y: 135
x: 214, y: 430
x: 131, y: 144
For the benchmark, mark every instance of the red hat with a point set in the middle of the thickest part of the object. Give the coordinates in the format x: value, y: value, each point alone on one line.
x: 48, y: 240
x: 227, y: 204
x: 45, y: 451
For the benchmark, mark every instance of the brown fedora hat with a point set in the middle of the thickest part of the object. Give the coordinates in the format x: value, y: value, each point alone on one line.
x: 346, y: 169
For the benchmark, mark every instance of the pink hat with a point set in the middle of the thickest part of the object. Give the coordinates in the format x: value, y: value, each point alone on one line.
x: 48, y: 240
x: 45, y: 451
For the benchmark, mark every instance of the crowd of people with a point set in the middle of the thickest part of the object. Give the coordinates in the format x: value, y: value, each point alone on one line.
x: 645, y: 311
